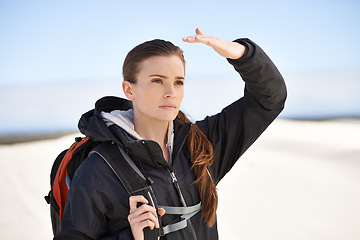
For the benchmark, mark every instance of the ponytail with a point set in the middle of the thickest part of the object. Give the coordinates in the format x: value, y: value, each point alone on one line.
x: 202, y: 156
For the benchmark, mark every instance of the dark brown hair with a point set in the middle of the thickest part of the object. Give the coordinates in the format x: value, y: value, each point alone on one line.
x: 145, y: 50
x: 198, y: 145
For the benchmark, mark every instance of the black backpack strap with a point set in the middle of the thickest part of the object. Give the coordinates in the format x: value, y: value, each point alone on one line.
x: 128, y: 173
x: 130, y: 176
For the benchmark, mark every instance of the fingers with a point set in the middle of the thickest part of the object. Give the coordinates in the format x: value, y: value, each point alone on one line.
x: 161, y: 211
x: 142, y: 217
x: 224, y: 48
x: 200, y: 37
x: 144, y: 208
x: 198, y: 32
x: 194, y: 39
x: 134, y: 200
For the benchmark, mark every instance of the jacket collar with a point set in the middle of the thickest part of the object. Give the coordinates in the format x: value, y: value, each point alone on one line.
x: 150, y: 151
x: 125, y: 120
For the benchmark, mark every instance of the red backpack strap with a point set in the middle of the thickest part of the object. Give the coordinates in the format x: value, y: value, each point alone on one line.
x: 60, y: 189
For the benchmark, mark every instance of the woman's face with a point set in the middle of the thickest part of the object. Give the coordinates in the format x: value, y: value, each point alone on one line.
x: 159, y: 89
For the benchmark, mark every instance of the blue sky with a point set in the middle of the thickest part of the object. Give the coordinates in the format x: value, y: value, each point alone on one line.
x: 50, y: 49
x: 42, y: 41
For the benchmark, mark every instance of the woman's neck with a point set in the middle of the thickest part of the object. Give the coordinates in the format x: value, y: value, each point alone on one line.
x: 156, y: 132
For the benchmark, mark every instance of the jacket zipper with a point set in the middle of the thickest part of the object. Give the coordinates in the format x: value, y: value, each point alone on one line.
x: 177, y: 187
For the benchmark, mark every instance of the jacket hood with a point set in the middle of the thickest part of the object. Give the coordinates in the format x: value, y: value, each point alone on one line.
x: 91, y: 123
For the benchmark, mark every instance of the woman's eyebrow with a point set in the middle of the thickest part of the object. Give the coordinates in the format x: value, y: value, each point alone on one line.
x: 165, y: 77
x: 158, y: 75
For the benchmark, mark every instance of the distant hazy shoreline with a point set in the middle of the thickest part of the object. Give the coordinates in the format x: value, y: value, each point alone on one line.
x: 30, y: 137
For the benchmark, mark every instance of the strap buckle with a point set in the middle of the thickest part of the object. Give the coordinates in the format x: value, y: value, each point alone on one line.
x: 187, y: 213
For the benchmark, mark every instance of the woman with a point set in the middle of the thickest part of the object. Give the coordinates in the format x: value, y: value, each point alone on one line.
x: 184, y: 160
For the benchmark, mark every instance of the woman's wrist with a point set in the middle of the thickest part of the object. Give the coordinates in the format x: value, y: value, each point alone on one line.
x: 238, y: 52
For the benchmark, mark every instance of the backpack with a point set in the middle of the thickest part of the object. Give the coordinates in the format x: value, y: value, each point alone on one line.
x: 134, y: 181
x: 62, y: 172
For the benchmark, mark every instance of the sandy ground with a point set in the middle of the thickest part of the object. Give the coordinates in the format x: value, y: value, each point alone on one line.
x: 300, y: 180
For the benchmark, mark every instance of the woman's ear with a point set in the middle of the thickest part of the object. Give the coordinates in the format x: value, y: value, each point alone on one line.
x: 127, y: 88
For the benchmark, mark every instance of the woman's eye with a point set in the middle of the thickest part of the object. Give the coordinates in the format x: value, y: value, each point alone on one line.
x: 156, y: 81
x: 179, y: 82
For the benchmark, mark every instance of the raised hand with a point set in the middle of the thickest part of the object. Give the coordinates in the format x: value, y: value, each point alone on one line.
x: 223, y: 47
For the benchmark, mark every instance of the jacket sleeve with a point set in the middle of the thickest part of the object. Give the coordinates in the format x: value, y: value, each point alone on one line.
x: 87, y: 207
x: 237, y: 126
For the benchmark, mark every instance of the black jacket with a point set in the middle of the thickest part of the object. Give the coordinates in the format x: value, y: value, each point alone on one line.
x: 97, y: 205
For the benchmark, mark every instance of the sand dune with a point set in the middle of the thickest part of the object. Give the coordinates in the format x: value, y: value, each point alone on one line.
x: 300, y: 180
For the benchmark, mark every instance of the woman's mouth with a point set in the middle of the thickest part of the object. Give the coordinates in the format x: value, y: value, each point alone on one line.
x: 168, y: 107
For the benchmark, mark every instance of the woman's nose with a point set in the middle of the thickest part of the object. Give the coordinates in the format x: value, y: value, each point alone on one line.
x: 170, y: 91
